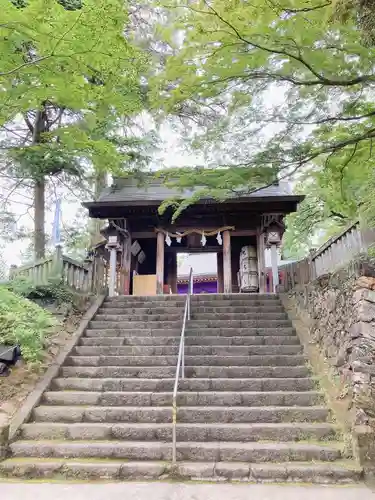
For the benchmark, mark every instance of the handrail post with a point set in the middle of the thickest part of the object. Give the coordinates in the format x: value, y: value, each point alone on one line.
x: 180, y: 366
x: 183, y: 359
x: 174, y: 431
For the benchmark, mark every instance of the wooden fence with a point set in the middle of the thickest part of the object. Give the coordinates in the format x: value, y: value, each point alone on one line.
x: 336, y: 252
x: 87, y: 277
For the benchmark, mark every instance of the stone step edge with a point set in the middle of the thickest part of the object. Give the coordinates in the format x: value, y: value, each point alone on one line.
x: 189, y: 408
x: 190, y: 337
x: 216, y: 379
x: 342, y: 471
x: 175, y: 356
x: 204, y: 393
x: 171, y: 380
x: 92, y: 447
x: 193, y: 425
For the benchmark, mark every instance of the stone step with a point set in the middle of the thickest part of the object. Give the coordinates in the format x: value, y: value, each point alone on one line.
x: 185, y: 432
x: 236, y: 316
x: 261, y: 322
x: 190, y: 371
x: 109, y: 308
x: 338, y: 472
x: 214, y: 297
x: 225, y: 350
x: 234, y: 296
x: 195, y: 451
x: 249, y: 308
x: 222, y: 398
x: 105, y: 322
x: 201, y: 318
x: 109, y: 329
x: 211, y: 360
x: 238, y: 302
x: 148, y: 299
x: 159, y: 385
x: 124, y: 316
x: 97, y: 340
x: 174, y: 307
x: 192, y: 414
x: 180, y: 304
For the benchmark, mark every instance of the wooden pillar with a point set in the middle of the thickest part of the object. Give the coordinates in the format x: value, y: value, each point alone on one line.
x: 235, y: 266
x: 261, y: 263
x: 126, y: 265
x: 112, y: 271
x: 275, y: 268
x: 220, y: 277
x: 227, y: 265
x: 159, y: 263
x: 172, y: 272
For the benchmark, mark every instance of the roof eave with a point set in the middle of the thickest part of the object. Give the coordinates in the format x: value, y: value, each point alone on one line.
x: 156, y: 203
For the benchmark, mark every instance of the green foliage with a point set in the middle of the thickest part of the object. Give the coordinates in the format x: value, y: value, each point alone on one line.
x: 23, y: 322
x: 71, y: 4
x: 53, y: 291
x: 291, y: 89
x: 69, y: 82
x: 52, y: 60
x: 41, y: 160
x: 338, y: 192
x: 221, y: 183
x: 361, y: 12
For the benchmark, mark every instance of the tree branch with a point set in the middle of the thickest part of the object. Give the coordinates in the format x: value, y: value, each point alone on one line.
x: 320, y: 79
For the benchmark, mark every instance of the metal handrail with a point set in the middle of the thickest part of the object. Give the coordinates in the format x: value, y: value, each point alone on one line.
x: 180, y: 365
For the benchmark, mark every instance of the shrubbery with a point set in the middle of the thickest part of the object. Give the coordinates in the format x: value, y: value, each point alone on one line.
x: 53, y: 291
x: 23, y: 322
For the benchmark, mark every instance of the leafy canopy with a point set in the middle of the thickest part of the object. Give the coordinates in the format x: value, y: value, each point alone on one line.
x: 281, y: 84
x: 78, y: 67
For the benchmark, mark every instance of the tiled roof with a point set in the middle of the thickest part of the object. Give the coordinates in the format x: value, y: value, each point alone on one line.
x: 128, y: 190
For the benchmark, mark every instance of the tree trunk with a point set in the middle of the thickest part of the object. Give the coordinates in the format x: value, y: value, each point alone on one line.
x: 39, y: 219
x: 96, y: 224
x: 40, y: 126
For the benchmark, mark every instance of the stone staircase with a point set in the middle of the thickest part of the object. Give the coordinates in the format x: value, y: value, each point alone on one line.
x: 248, y: 408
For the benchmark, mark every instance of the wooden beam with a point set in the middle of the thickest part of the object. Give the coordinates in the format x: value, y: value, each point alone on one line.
x: 159, y: 263
x: 138, y: 235
x: 220, y: 275
x: 184, y: 249
x: 244, y: 232
x: 227, y: 265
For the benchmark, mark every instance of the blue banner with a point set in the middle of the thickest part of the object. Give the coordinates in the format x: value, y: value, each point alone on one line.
x: 56, y: 230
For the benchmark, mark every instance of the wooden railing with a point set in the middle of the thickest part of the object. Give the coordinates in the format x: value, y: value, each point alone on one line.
x: 334, y: 253
x: 87, y: 277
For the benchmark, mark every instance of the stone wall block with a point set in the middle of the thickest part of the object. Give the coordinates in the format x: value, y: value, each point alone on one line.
x: 365, y: 311
x: 341, y: 308
x: 362, y: 329
x: 4, y: 435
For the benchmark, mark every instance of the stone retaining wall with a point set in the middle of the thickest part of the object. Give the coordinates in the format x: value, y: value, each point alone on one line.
x: 341, y: 309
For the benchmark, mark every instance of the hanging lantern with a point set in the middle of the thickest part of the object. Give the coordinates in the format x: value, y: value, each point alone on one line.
x: 219, y: 238
x: 203, y: 240
x: 273, y: 235
x: 168, y: 240
x: 178, y: 237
